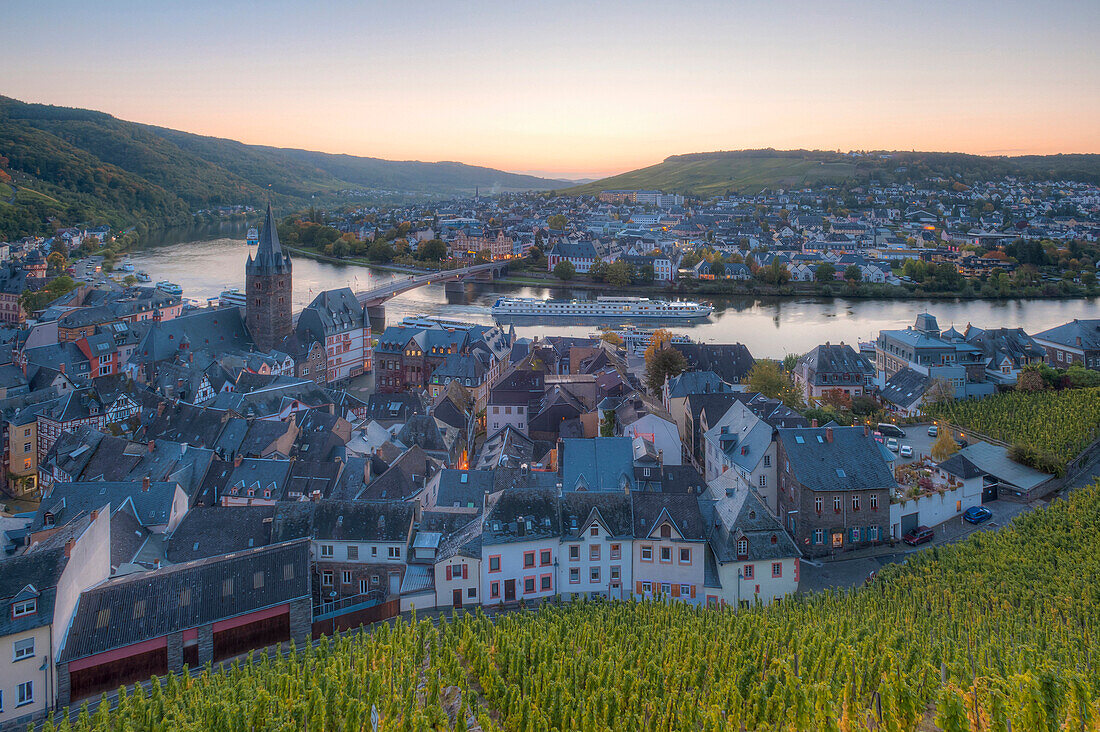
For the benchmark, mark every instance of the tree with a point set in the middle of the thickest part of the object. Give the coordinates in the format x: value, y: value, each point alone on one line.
x: 129, y: 280
x: 768, y: 378
x: 940, y: 391
x: 485, y: 255
x: 619, y: 274
x: 557, y: 222
x: 381, y: 251
x: 657, y: 342
x: 825, y: 272
x: 945, y: 445
x: 853, y: 273
x: 433, y: 249
x: 55, y: 261
x: 645, y: 274
x: 607, y: 424
x: 665, y: 363
x: 790, y: 361
x: 598, y: 271
x: 611, y: 337
x: 564, y: 270
x: 1030, y: 380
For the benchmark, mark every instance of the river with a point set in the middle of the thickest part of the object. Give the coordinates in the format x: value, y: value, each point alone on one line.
x: 770, y: 327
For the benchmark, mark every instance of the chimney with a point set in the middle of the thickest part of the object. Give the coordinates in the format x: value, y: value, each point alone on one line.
x: 145, y: 484
x: 94, y: 514
x: 813, y: 423
x: 866, y: 430
x: 61, y: 367
x: 237, y: 461
x: 69, y: 548
x: 829, y: 434
x: 152, y: 445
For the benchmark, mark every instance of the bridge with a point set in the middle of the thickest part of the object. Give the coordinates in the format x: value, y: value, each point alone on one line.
x: 374, y: 300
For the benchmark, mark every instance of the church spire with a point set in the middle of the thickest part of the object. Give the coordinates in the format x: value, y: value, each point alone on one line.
x: 270, y: 258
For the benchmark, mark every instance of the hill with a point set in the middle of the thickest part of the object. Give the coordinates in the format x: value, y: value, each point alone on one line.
x: 996, y: 632
x: 82, y: 166
x: 750, y: 171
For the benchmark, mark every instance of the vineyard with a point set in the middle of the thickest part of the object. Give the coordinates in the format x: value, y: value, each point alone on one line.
x: 1049, y: 428
x: 1000, y: 632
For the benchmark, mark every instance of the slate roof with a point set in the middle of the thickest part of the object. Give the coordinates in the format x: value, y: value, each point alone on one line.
x: 140, y: 607
x: 1068, y: 333
x: 70, y: 500
x: 270, y: 258
x: 405, y: 477
x: 40, y: 567
x: 600, y: 464
x: 379, y: 521
x: 730, y: 361
x: 512, y: 511
x: 838, y: 360
x: 330, y: 313
x: 851, y: 462
x: 696, y: 382
x: 650, y: 509
x: 905, y: 388
x: 613, y: 511
x: 465, y: 542
x: 466, y: 488
x: 219, y: 330
x: 739, y: 513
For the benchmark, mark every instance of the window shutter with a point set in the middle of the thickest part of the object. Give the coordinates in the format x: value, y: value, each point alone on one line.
x: 464, y: 574
x: 638, y: 588
x: 448, y: 572
x: 693, y: 591
x: 676, y: 590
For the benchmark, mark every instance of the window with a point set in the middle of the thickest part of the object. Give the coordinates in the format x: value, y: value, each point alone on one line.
x: 742, y: 547
x: 748, y: 571
x: 616, y: 551
x: 257, y: 581
x: 767, y: 461
x: 574, y: 575
x: 22, y: 649
x: 574, y: 553
x: 326, y: 578
x: 362, y: 587
x: 855, y: 503
x: 685, y: 555
x: 666, y: 531
x: 353, y: 551
x: 494, y: 589
x: 26, y: 447
x: 494, y: 563
x: 345, y: 577
x: 227, y: 587
x: 763, y: 481
x: 471, y: 592
x: 836, y: 503
x: 528, y: 560
x: 647, y: 553
x: 819, y: 536
x: 288, y: 571
x: 777, y: 569
x: 666, y: 588
x: 874, y: 501
x: 594, y: 553
x: 326, y: 550
x: 647, y: 587
x: 616, y: 573
x: 395, y: 552
x: 819, y: 503
x: 23, y: 607
x: 855, y: 534
x: 594, y: 574
x: 544, y: 583
x: 374, y: 551
x: 24, y: 693
x: 544, y: 558
x: 529, y: 584
x: 685, y: 590
x: 666, y: 554
x: 872, y: 533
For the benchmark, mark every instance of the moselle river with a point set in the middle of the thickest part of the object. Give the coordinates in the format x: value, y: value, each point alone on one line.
x: 770, y: 327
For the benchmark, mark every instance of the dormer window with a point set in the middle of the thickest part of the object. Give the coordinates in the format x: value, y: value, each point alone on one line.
x: 742, y: 547
x: 23, y: 608
x: 666, y: 531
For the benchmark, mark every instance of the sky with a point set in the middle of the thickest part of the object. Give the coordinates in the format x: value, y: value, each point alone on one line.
x: 573, y: 89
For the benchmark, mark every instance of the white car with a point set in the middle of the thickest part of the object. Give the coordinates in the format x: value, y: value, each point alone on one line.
x: 907, y: 451
x: 892, y: 444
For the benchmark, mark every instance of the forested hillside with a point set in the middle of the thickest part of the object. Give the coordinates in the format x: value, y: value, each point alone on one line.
x: 999, y: 632
x: 750, y: 171
x: 77, y: 166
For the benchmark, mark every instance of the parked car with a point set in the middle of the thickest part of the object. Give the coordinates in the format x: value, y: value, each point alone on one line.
x: 977, y: 514
x: 890, y: 430
x: 933, y: 431
x: 917, y: 536
x: 907, y: 451
x: 892, y: 444
x: 961, y: 443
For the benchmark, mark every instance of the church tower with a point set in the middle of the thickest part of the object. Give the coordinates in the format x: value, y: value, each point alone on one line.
x: 268, y: 286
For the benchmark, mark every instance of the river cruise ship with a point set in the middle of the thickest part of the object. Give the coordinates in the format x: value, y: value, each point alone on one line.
x: 636, y: 340
x: 601, y: 307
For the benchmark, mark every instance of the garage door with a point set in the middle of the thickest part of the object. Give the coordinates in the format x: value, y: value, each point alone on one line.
x: 908, y: 523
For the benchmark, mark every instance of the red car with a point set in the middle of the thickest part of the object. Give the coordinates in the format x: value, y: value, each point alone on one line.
x: 919, y: 535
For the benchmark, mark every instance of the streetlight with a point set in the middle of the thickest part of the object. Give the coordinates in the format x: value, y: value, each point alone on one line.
x: 740, y: 576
